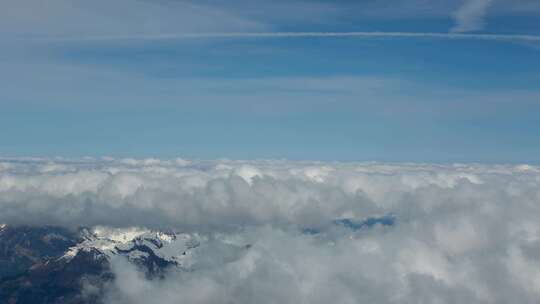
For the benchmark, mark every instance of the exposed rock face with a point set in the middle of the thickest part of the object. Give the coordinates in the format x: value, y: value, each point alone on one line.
x: 33, y: 270
x: 58, y: 280
x: 23, y: 247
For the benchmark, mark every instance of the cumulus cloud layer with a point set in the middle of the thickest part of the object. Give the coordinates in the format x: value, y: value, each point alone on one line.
x: 462, y: 233
x: 221, y: 194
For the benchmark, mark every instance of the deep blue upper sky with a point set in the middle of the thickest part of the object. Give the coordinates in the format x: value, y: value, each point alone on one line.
x: 73, y: 85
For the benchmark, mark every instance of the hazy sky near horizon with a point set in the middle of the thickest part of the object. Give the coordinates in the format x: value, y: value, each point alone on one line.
x: 119, y: 78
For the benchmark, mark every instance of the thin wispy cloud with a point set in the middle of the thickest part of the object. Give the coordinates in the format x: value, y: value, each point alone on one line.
x: 244, y: 62
x: 238, y: 35
x: 470, y: 16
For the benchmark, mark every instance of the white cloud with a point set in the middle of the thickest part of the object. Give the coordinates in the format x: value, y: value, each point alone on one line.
x: 152, y: 20
x: 463, y: 233
x: 470, y: 16
x: 224, y: 193
x: 466, y: 22
x: 58, y: 18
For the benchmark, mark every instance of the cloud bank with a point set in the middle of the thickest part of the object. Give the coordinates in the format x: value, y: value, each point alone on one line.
x: 220, y: 194
x: 462, y: 233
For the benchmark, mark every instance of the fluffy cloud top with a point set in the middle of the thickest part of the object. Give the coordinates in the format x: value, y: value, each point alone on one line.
x: 224, y: 194
x: 227, y: 194
x: 462, y: 233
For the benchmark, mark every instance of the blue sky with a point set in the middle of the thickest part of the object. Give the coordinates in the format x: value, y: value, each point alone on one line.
x: 94, y: 79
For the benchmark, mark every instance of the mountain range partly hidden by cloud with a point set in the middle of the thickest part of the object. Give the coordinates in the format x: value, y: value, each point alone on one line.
x: 300, y: 232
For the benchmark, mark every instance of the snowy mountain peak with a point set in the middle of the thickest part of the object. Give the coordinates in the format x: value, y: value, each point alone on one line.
x: 137, y: 244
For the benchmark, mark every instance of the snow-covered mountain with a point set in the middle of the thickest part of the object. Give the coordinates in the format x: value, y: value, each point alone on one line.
x: 51, y: 262
x: 154, y: 250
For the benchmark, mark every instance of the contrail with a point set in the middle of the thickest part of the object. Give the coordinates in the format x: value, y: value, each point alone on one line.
x: 268, y: 35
